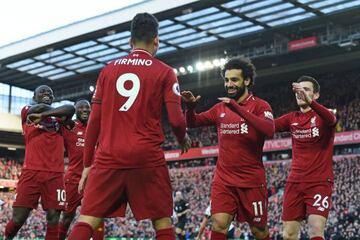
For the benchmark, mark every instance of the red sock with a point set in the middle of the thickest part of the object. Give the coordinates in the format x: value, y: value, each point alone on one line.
x: 81, y: 231
x: 218, y: 236
x: 52, y: 232
x: 12, y: 229
x: 62, y: 231
x: 98, y: 233
x: 317, y: 238
x: 165, y: 234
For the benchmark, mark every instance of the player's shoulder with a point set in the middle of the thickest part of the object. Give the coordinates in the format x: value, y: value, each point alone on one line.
x: 260, y: 101
x: 163, y: 66
x: 25, y: 109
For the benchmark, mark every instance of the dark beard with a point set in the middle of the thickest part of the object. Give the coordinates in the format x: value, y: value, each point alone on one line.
x: 239, y: 92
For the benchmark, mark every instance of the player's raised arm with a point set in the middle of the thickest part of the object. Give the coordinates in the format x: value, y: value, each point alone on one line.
x: 282, y: 123
x: 264, y: 124
x: 193, y: 119
x: 42, y: 111
x: 326, y: 115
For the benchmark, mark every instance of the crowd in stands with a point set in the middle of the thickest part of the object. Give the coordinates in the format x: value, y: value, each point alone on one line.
x: 9, y: 169
x: 194, y: 182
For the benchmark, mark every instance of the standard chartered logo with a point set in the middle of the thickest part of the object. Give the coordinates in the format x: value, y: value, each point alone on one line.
x: 244, y: 128
x: 315, y: 132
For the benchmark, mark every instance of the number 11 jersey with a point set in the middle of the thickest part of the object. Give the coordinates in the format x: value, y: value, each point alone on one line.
x: 132, y: 91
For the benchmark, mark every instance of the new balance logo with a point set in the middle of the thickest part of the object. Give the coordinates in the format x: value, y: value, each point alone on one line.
x: 294, y: 124
x: 315, y: 132
x: 222, y: 115
x: 244, y: 128
x: 257, y: 219
x: 321, y: 209
x: 79, y: 133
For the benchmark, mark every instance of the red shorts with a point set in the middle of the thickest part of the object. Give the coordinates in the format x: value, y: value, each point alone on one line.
x: 34, y: 184
x: 148, y: 192
x: 304, y: 199
x: 248, y: 204
x: 73, y: 198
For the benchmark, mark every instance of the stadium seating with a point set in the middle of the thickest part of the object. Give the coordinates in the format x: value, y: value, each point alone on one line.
x: 194, y: 182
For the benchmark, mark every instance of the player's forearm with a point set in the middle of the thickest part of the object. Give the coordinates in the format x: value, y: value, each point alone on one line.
x: 66, y: 111
x: 281, y: 124
x: 326, y: 115
x: 194, y: 120
x: 39, y: 108
x: 92, y: 134
x: 176, y: 120
x: 262, y: 125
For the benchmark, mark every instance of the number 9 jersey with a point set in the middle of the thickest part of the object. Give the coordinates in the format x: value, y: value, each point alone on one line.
x: 132, y: 91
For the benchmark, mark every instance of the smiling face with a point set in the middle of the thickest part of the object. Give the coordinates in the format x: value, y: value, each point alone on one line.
x: 82, y: 110
x: 43, y: 94
x: 234, y: 83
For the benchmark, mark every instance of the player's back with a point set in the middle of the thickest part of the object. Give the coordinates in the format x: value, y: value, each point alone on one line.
x: 132, y: 91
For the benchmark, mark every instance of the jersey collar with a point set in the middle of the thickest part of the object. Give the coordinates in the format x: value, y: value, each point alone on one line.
x: 246, y: 100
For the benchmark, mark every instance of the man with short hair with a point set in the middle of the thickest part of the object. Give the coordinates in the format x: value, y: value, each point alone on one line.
x: 181, y: 208
x: 43, y: 170
x: 309, y: 186
x: 125, y: 123
x: 243, y: 122
x: 74, y: 142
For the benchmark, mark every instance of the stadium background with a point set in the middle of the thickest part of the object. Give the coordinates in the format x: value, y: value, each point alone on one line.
x: 284, y: 38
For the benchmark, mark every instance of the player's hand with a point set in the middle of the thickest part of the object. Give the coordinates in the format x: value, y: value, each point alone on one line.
x: 34, y: 118
x: 83, y: 179
x: 301, y: 93
x: 190, y: 100
x: 185, y: 144
x: 225, y: 99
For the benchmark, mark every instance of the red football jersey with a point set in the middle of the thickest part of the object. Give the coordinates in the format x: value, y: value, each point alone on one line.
x: 240, y: 144
x: 74, y: 142
x: 132, y: 91
x: 44, y: 148
x: 312, y: 146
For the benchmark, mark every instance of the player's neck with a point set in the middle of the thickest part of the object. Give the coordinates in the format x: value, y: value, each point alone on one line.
x: 305, y: 109
x: 145, y: 47
x: 244, y: 96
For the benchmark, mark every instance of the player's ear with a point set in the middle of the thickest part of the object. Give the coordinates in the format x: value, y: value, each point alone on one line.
x: 156, y: 42
x: 247, y: 82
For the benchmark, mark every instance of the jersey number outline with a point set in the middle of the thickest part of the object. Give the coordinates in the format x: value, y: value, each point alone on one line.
x: 131, y: 93
x: 257, y: 205
x: 61, y: 197
x: 324, y: 202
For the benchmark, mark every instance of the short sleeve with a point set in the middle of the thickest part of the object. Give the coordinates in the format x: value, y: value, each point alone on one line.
x: 171, y: 88
x: 98, y: 93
